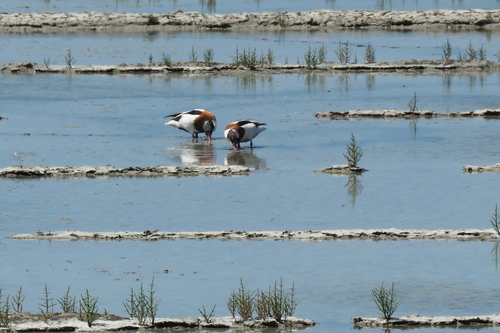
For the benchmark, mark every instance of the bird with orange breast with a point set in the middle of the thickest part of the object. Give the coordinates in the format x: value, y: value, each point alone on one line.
x: 243, y: 131
x: 194, y: 122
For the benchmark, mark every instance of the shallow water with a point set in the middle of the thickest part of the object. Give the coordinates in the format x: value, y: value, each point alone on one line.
x: 228, y: 6
x: 415, y: 177
x: 415, y: 180
x: 112, y: 48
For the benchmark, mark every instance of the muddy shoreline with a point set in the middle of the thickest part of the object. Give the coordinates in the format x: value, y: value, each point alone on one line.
x: 316, y: 19
x: 488, y: 235
x: 111, y: 171
x: 403, y: 66
x: 417, y: 321
x: 69, y: 322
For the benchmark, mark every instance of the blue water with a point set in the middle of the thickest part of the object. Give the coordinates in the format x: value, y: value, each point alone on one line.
x: 415, y: 180
x: 415, y: 177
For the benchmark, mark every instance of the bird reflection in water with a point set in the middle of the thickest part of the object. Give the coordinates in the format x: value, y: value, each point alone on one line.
x: 194, y: 153
x: 245, y: 157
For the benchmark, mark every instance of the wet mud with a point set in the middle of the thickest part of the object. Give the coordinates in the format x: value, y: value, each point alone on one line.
x: 111, y: 171
x: 415, y: 321
x: 418, y: 66
x: 310, y: 235
x: 315, y: 19
x: 393, y: 113
x: 70, y: 322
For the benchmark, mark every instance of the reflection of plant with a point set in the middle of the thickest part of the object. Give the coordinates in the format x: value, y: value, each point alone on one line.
x: 354, y: 188
x: 387, y: 300
x: 207, y: 315
x: 495, y: 220
x: 150, y: 58
x: 354, y: 153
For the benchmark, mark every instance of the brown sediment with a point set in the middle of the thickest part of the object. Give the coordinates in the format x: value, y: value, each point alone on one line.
x: 482, y: 168
x: 342, y: 170
x: 286, y: 235
x: 111, y: 171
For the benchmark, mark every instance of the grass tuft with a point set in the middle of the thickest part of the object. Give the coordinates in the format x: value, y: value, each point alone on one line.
x: 387, y: 300
x: 354, y: 153
x: 88, y: 308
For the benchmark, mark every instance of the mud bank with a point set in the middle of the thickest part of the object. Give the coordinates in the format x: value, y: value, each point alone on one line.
x: 293, y: 20
x: 415, y: 321
x: 419, y: 66
x: 341, y: 170
x: 24, y: 322
x: 482, y: 168
x: 111, y: 171
x: 324, y: 235
x: 393, y: 113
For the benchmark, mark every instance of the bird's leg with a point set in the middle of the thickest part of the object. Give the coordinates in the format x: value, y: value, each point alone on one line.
x: 251, y: 144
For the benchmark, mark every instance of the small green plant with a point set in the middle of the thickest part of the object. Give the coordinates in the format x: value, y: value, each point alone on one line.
x: 470, y: 52
x: 150, y: 58
x: 67, y: 303
x: 88, y: 308
x: 387, y: 300
x: 281, y: 19
x: 47, y: 62
x: 311, y: 57
x: 249, y: 58
x: 269, y: 57
x: 232, y: 305
x: 18, y: 299
x: 495, y: 220
x: 322, y: 53
x: 70, y: 60
x: 165, y: 58
x: 412, y: 103
x: 47, y: 305
x: 243, y: 300
x: 193, y: 55
x: 447, y: 50
x: 143, y: 305
x: 344, y: 52
x: 481, y: 53
x: 369, y: 54
x: 354, y: 153
x: 282, y: 304
x: 207, y: 315
x: 262, y: 306
x: 237, y: 57
x: 4, y: 311
x: 208, y: 56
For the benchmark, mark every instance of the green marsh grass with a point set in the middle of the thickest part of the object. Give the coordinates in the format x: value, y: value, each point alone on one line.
x: 46, y: 306
x: 207, y: 316
x: 495, y: 220
x: 17, y: 300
